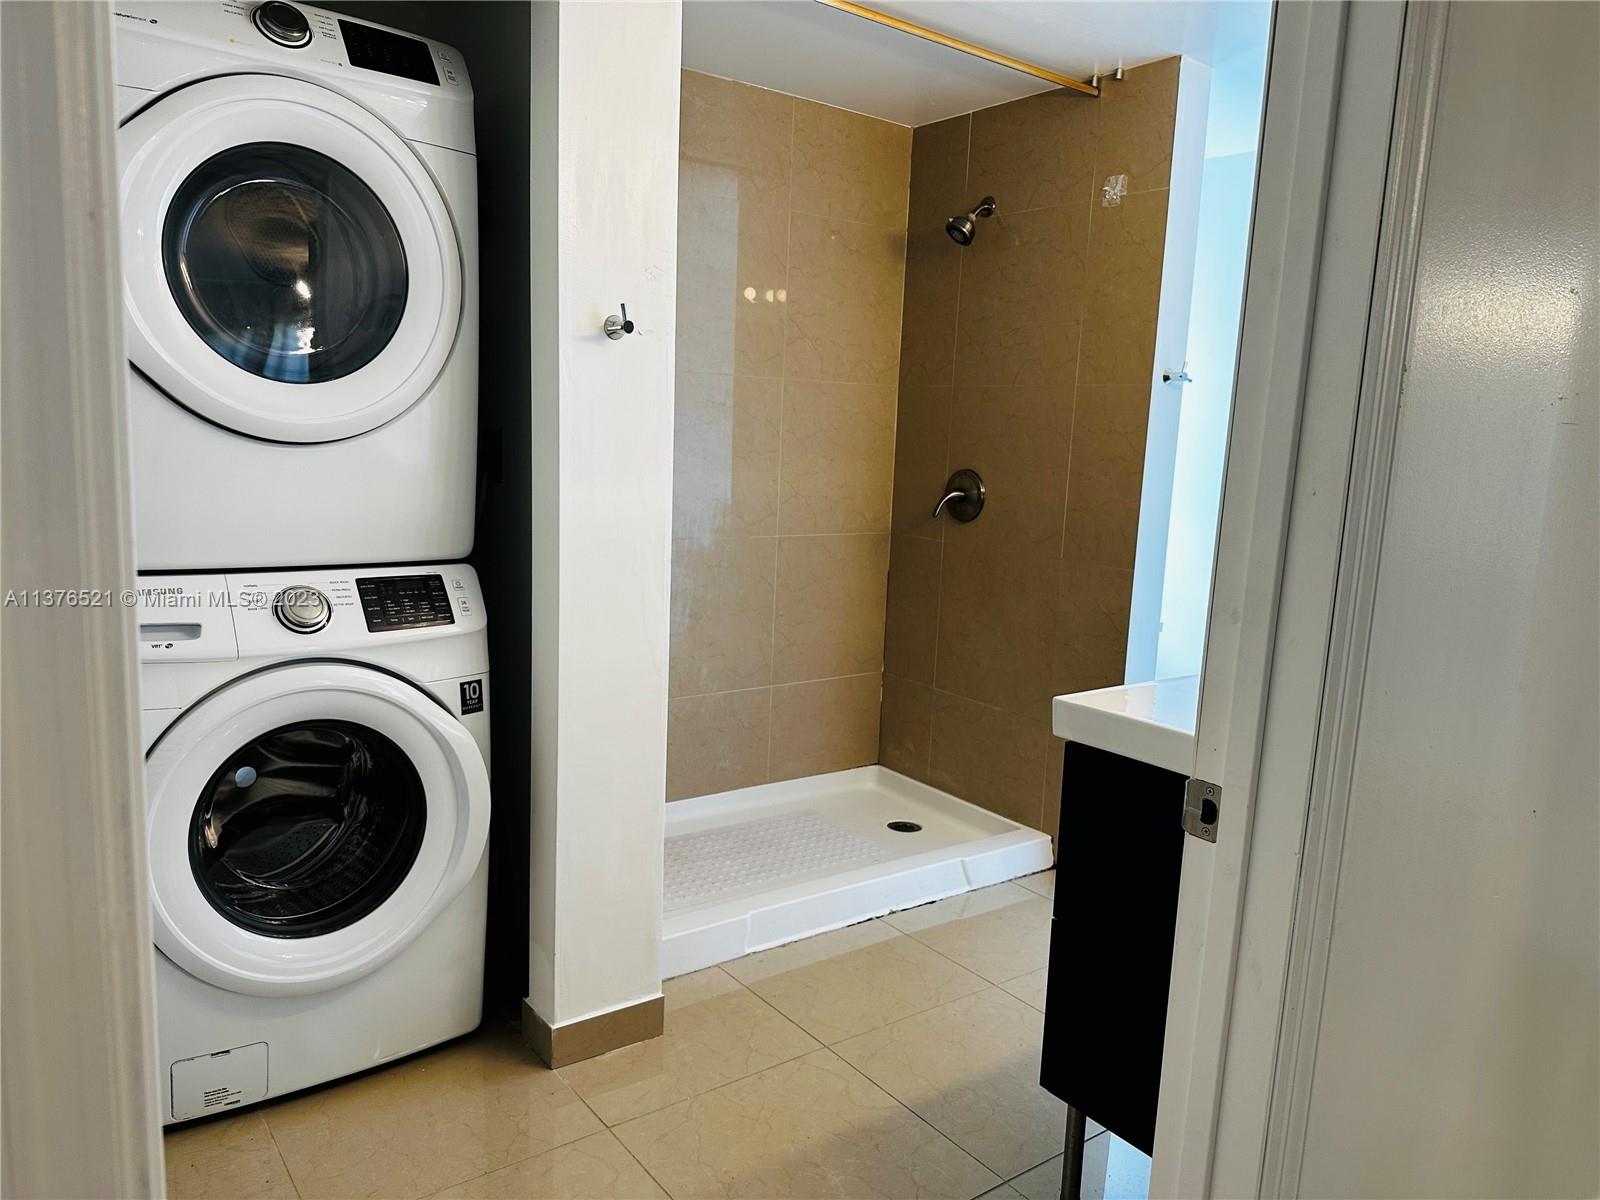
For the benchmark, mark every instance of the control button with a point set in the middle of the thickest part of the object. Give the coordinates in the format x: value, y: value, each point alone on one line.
x: 282, y: 23
x: 301, y: 609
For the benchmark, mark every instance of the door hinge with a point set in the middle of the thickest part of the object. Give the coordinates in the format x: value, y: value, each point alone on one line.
x: 1202, y: 809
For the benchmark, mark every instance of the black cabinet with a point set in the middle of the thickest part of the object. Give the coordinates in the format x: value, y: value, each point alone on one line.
x: 1119, y: 852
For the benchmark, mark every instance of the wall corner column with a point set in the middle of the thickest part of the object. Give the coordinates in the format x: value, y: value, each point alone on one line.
x: 604, y: 233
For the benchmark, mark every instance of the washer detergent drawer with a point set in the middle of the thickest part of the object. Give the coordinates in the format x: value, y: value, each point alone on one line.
x: 211, y: 1083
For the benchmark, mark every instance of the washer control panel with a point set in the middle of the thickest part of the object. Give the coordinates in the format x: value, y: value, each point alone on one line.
x: 404, y: 602
x: 301, y: 608
x: 243, y: 614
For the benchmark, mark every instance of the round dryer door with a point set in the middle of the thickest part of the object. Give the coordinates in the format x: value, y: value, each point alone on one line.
x: 290, y: 269
x: 306, y: 822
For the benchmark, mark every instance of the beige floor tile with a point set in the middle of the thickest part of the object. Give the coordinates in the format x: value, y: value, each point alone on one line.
x: 451, y: 1115
x: 1029, y: 988
x: 234, y: 1157
x: 1004, y: 1192
x: 1042, y: 1182
x: 839, y: 984
x: 1044, y: 882
x: 1000, y: 932
x: 814, y: 1128
x: 716, y: 1031
x: 595, y: 1168
x: 971, y: 1069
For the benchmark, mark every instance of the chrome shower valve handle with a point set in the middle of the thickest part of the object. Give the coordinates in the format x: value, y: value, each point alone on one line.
x: 963, y: 496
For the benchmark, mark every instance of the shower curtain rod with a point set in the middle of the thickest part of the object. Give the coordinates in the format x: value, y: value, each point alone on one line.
x: 944, y: 39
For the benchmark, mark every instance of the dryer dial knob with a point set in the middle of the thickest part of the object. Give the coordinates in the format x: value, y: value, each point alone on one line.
x: 302, y: 609
x: 282, y: 23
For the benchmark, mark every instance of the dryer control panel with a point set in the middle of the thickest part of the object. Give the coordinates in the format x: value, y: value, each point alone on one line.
x: 172, y: 39
x: 300, y: 611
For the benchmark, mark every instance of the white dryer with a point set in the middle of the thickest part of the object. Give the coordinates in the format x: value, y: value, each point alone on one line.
x: 298, y: 198
x: 316, y: 747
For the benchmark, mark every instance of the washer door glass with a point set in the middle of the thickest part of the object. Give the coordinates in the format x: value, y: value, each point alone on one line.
x: 307, y: 828
x: 284, y: 262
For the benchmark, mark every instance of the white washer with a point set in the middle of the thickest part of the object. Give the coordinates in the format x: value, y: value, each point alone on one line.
x: 316, y: 747
x: 298, y: 198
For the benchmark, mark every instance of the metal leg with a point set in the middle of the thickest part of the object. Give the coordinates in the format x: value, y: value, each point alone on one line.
x: 1072, y: 1157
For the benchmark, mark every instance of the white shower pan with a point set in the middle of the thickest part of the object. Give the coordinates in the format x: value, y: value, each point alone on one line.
x: 763, y: 865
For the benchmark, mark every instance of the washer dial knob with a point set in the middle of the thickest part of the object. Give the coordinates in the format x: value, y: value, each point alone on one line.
x: 282, y: 23
x: 301, y: 609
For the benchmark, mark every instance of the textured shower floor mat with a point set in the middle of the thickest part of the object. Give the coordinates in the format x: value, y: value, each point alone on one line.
x: 764, y: 865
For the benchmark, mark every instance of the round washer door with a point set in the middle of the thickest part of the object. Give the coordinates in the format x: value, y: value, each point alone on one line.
x: 306, y: 823
x: 290, y: 269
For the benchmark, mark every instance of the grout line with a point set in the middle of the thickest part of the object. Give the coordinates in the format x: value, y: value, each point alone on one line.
x: 941, y: 1133
x: 1056, y: 1155
x: 874, y: 225
x: 949, y: 429
x: 767, y: 687
x: 783, y: 388
x: 1022, y: 212
x: 702, y: 538
x: 281, y: 1156
x: 921, y: 1011
x: 894, y: 443
x: 1072, y: 433
x: 604, y: 1129
x: 640, y: 1161
x: 887, y: 385
x: 820, y: 1045
x: 933, y: 687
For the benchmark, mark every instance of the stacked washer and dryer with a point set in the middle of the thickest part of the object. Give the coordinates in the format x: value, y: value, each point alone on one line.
x: 298, y: 207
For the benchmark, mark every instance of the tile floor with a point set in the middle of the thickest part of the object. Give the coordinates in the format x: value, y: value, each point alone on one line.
x: 896, y: 1058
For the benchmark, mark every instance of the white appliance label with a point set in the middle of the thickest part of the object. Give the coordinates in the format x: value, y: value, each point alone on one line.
x: 213, y: 1082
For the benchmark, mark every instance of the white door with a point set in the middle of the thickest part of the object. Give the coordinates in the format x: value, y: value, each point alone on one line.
x: 1400, y: 684
x: 1444, y: 1027
x: 290, y: 269
x: 307, y: 822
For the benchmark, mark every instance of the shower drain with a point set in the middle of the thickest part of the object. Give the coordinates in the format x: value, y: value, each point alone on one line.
x: 905, y: 827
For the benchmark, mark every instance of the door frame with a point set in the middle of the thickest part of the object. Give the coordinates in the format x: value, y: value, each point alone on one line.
x: 80, y: 1083
x: 1334, y: 73
x: 1372, y: 449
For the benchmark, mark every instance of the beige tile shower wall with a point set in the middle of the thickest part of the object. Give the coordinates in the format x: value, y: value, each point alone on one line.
x: 791, y: 261
x: 1029, y: 357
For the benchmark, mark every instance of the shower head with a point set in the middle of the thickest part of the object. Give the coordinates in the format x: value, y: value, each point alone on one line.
x: 964, y: 228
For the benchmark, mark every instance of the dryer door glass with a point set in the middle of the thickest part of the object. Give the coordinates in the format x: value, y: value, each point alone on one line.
x: 284, y: 262
x: 307, y: 828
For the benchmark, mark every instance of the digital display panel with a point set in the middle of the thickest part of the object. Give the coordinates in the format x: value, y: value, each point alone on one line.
x: 391, y: 53
x: 404, y: 602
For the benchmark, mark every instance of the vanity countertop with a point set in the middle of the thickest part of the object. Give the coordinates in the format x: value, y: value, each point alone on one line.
x: 1149, y: 722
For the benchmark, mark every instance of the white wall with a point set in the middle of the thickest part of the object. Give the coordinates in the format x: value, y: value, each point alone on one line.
x: 1208, y: 235
x: 1458, y: 1052
x: 605, y: 185
x: 1227, y: 188
x: 1172, y: 336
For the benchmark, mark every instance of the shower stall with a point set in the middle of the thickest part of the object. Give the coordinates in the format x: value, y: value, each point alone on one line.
x: 914, y: 373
